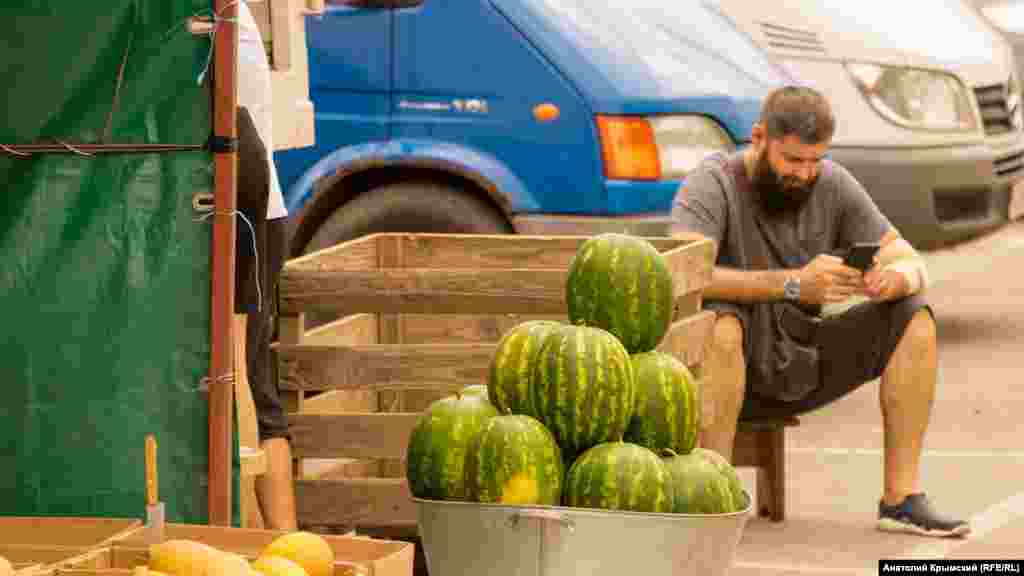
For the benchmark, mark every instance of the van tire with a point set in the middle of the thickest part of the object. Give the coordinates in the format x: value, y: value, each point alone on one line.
x: 412, y: 206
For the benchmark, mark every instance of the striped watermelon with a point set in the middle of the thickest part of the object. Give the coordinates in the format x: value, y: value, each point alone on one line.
x: 514, y: 460
x: 512, y: 365
x: 436, y: 452
x: 667, y: 409
x: 723, y: 465
x: 619, y: 476
x: 699, y: 487
x: 622, y: 284
x: 583, y: 388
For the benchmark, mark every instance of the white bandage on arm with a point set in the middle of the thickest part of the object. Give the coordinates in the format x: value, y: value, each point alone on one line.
x: 914, y: 270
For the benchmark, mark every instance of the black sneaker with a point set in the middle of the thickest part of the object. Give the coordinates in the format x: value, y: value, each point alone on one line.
x: 915, y: 516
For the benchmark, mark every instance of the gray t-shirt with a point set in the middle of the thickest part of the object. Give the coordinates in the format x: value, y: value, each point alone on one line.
x: 716, y: 201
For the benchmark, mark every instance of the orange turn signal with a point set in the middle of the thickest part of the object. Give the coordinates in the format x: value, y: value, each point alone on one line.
x: 546, y: 112
x: 628, y: 148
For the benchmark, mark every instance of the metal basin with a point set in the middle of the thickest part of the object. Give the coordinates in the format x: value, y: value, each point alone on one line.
x: 471, y: 539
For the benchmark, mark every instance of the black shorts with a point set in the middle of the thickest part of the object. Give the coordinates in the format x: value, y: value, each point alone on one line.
x: 875, y: 329
x: 258, y: 301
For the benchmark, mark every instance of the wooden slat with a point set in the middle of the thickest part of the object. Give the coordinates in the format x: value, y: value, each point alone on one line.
x: 686, y: 338
x: 464, y: 328
x: 356, y: 254
x: 383, y: 366
x: 348, y: 331
x: 475, y: 250
x: 62, y: 531
x: 424, y: 291
x: 366, y: 435
x: 522, y: 287
x: 355, y: 502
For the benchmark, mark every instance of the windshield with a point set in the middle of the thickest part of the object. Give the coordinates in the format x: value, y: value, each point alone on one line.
x: 685, y: 46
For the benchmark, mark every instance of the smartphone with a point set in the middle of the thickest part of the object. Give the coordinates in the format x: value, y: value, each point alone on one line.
x: 861, y: 256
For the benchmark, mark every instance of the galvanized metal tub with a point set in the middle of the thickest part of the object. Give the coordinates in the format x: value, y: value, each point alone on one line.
x: 471, y: 539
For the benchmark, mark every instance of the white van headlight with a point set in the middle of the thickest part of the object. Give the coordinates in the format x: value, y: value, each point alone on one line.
x: 916, y: 98
x: 683, y: 141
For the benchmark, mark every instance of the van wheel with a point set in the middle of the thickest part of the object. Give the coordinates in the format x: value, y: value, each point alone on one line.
x: 415, y: 206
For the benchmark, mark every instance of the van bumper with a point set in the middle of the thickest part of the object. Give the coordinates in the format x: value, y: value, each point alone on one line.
x: 934, y: 196
x: 650, y: 225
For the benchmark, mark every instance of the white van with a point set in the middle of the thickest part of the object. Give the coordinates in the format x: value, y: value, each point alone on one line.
x: 926, y: 99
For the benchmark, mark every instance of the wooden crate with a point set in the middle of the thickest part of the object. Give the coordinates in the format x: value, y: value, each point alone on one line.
x: 33, y: 543
x: 353, y: 555
x: 421, y: 316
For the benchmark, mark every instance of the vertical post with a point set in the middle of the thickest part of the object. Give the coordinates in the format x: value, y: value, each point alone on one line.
x: 221, y: 389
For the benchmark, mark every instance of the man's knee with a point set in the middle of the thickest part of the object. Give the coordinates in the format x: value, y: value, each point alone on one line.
x: 727, y: 336
x: 921, y: 332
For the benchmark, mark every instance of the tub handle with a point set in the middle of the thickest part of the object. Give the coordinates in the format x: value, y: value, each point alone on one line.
x: 543, y: 515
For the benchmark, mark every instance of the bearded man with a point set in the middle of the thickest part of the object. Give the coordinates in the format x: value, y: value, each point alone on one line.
x: 782, y: 216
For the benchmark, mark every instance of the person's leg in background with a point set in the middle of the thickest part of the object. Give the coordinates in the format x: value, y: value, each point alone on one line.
x: 276, y: 488
x: 259, y: 254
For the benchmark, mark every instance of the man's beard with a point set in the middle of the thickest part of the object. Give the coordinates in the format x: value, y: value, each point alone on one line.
x: 776, y: 195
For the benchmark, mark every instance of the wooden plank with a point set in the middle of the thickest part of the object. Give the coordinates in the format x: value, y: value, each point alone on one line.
x: 686, y: 339
x: 497, y: 251
x: 383, y: 366
x: 355, y: 502
x: 464, y: 328
x: 424, y: 291
x: 62, y: 531
x: 365, y: 435
x: 335, y: 401
x: 40, y: 554
x: 357, y: 254
x: 453, y: 290
x: 348, y: 331
x: 334, y: 468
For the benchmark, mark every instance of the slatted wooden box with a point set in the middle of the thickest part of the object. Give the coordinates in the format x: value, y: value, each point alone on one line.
x: 31, y: 543
x: 420, y: 317
x: 354, y: 556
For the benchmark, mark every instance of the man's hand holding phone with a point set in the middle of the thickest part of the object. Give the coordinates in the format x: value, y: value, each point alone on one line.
x: 827, y: 280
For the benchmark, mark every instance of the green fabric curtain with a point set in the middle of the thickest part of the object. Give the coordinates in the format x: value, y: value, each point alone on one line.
x: 104, y: 270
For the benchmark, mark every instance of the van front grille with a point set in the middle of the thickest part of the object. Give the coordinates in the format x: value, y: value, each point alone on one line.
x: 999, y: 107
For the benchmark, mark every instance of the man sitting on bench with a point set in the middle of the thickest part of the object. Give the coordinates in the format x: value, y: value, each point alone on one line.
x: 786, y: 221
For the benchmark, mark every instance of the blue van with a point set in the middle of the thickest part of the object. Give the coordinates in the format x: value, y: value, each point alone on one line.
x: 514, y: 116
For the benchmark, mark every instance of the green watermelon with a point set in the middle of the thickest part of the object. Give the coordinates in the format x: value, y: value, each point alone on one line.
x: 479, y: 389
x: 514, y: 460
x: 436, y: 452
x: 622, y: 284
x: 508, y: 385
x: 619, y: 476
x: 667, y: 409
x: 583, y: 388
x: 699, y: 487
x: 723, y: 465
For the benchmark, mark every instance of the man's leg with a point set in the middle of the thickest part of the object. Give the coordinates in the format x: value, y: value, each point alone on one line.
x: 906, y: 396
x: 724, y: 375
x: 275, y: 489
x: 907, y: 392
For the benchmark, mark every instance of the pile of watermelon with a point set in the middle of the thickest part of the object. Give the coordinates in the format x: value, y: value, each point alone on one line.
x: 582, y: 414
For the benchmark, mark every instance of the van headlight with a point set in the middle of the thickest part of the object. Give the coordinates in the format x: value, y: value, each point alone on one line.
x: 916, y: 98
x: 683, y: 141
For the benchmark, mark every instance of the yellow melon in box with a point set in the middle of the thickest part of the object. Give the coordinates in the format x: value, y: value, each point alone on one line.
x: 278, y: 566
x: 5, y: 567
x: 306, y: 549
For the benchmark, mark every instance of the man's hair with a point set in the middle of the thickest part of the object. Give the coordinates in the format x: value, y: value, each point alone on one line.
x: 799, y: 111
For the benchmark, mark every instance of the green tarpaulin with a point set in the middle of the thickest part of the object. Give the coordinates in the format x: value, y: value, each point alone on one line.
x: 104, y: 269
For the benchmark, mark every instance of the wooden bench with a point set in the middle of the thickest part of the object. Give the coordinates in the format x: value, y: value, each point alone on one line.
x: 761, y: 444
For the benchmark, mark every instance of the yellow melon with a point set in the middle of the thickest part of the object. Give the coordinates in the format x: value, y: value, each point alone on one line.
x: 306, y: 549
x: 278, y: 566
x: 190, y: 558
x: 5, y: 567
